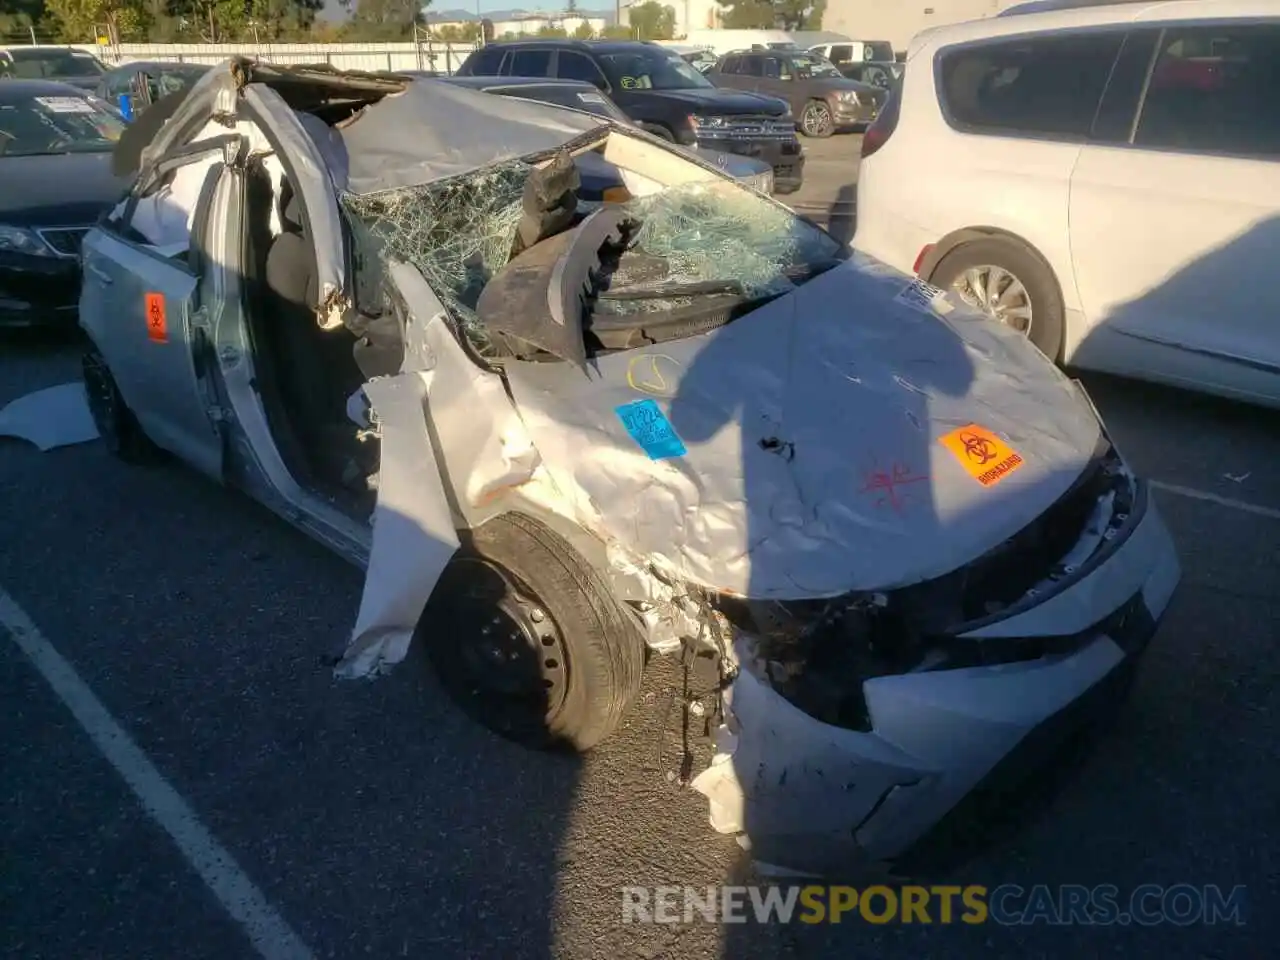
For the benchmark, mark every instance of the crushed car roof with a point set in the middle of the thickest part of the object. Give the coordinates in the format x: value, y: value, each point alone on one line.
x: 409, y: 137
x: 413, y: 138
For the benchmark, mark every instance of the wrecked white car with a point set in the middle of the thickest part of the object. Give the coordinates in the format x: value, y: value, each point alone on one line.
x: 557, y: 441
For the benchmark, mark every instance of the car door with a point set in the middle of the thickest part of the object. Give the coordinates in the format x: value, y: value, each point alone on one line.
x: 777, y: 79
x: 533, y: 62
x: 1174, y: 228
x: 737, y: 72
x: 142, y: 303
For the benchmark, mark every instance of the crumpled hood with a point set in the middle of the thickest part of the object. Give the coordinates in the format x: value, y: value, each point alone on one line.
x: 816, y: 444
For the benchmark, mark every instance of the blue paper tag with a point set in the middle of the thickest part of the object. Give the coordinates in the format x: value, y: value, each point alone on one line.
x: 650, y: 428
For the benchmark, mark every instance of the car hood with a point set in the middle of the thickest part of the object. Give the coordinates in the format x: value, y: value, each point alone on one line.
x: 64, y: 190
x: 720, y: 100
x: 816, y: 445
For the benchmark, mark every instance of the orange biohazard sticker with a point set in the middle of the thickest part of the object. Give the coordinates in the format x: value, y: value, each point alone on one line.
x: 157, y: 325
x: 984, y: 456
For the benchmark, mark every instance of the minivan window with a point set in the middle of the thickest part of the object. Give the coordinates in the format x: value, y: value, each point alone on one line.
x: 1047, y: 86
x: 529, y: 63
x: 1215, y: 89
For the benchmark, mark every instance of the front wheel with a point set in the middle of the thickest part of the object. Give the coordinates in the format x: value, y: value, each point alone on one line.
x: 1009, y: 283
x: 117, y: 426
x: 528, y: 641
x: 816, y: 120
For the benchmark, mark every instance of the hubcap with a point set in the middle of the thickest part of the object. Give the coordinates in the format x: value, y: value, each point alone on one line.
x: 505, y: 653
x: 998, y: 293
x: 816, y: 119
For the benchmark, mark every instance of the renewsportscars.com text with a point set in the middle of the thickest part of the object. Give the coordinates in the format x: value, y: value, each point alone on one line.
x: 1181, y: 904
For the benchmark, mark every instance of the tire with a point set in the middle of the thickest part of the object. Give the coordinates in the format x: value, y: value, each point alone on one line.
x: 659, y: 131
x: 1045, y: 298
x: 117, y: 426
x: 527, y: 639
x: 816, y: 120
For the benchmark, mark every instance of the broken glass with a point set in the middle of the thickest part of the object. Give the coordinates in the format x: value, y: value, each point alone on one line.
x: 457, y: 232
x: 717, y: 231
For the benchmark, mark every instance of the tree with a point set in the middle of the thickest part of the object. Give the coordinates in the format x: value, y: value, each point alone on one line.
x: 652, y: 20
x: 379, y: 20
x: 584, y: 31
x: 550, y: 31
x: 763, y: 15
x: 80, y: 20
x: 18, y: 17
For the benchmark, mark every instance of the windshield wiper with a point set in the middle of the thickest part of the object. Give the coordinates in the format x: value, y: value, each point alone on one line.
x: 659, y: 291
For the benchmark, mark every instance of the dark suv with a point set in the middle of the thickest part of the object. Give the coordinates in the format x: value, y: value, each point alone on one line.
x: 662, y: 93
x: 819, y: 95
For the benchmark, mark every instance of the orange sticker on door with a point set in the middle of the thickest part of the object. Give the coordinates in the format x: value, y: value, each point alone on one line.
x: 157, y: 325
x: 984, y: 456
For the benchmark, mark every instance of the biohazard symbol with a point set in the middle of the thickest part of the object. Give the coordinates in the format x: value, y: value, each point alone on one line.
x: 982, y: 454
x: 978, y: 449
x: 653, y: 373
x: 157, y: 325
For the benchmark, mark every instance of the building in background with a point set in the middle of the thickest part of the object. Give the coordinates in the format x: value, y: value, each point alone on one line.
x: 520, y: 23
x: 690, y: 14
x: 897, y: 21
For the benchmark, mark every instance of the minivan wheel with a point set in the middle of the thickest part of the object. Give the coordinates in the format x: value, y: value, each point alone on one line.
x: 816, y: 120
x: 1009, y: 283
x: 117, y: 426
x: 527, y: 640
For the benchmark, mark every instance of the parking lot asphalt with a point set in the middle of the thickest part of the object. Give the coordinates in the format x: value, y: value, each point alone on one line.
x: 371, y: 819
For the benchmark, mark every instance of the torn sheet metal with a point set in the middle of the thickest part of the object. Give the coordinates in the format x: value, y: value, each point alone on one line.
x: 811, y: 428
x: 411, y: 139
x: 670, y: 615
x: 54, y: 417
x: 413, y: 531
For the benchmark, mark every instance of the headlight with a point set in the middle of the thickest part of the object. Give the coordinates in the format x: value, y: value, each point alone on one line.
x: 848, y: 96
x: 21, y: 240
x: 762, y: 181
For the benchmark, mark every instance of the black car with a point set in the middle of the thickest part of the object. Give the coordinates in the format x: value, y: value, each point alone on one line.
x: 63, y: 64
x: 135, y: 86
x: 56, y: 180
x: 598, y: 176
x: 662, y: 93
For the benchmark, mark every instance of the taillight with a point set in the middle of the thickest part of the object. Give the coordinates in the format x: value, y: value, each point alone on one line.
x: 882, y: 128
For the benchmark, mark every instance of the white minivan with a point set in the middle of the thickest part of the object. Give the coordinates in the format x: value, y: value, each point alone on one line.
x: 1105, y: 178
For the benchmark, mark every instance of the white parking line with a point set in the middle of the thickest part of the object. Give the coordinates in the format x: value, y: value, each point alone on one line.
x: 266, y: 929
x: 1270, y: 513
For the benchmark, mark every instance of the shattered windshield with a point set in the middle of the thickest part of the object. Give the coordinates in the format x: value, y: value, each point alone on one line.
x: 651, y: 70
x: 691, y: 258
x: 809, y: 65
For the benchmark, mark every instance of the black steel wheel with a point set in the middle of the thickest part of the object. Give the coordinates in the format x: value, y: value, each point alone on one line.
x: 527, y: 641
x: 116, y: 423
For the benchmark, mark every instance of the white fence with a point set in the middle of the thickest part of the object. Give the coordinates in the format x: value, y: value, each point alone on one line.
x: 423, y: 55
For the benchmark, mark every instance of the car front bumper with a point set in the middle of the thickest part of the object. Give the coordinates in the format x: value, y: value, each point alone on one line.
x: 820, y: 800
x: 38, y: 291
x: 786, y: 156
x: 854, y: 114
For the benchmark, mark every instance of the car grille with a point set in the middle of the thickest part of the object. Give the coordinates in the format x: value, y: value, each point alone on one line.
x: 64, y: 241
x: 743, y: 128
